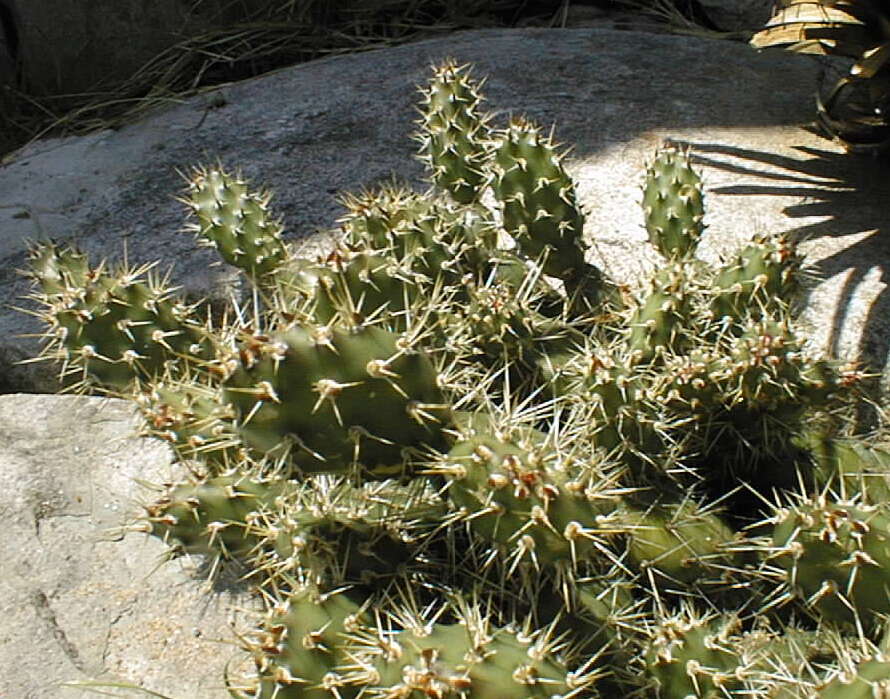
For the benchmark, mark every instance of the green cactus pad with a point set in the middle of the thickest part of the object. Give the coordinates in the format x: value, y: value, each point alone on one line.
x: 453, y: 132
x: 537, y: 199
x: 300, y: 648
x: 690, y: 657
x: 213, y: 517
x: 680, y: 541
x: 673, y: 204
x: 332, y: 398
x: 116, y: 327
x: 836, y: 557
x: 762, y: 279
x: 464, y: 660
x: 235, y: 222
x: 522, y: 497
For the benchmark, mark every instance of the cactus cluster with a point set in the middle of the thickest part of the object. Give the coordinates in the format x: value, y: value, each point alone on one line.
x: 456, y: 460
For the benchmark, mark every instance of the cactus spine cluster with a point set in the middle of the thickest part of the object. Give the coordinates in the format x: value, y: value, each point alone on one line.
x: 455, y: 462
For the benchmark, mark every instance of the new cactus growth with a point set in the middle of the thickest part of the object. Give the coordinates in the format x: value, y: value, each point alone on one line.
x: 453, y: 132
x: 673, y: 204
x: 455, y: 461
x: 538, y: 200
x: 762, y: 278
x: 235, y: 222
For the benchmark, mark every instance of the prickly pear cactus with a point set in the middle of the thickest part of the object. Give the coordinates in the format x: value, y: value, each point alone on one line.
x: 673, y: 203
x: 454, y: 459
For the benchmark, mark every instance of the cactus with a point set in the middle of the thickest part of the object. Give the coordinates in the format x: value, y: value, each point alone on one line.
x: 678, y: 540
x: 537, y: 199
x: 212, y: 516
x: 690, y: 656
x: 761, y: 279
x: 523, y: 498
x: 673, y: 204
x: 450, y: 422
x: 870, y: 679
x: 114, y: 327
x: 834, y: 556
x: 299, y: 647
x: 453, y: 132
x: 467, y: 658
x: 190, y: 414
x: 657, y: 324
x: 331, y: 398
x: 235, y: 222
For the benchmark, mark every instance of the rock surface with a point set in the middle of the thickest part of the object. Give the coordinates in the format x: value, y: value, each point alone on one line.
x: 80, y: 600
x: 312, y: 131
x: 738, y: 15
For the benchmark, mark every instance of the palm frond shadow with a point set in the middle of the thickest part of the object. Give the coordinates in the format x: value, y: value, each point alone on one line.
x: 851, y: 196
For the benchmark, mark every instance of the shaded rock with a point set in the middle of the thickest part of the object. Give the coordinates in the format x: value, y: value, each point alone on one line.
x: 79, y: 599
x: 344, y: 123
x: 738, y: 15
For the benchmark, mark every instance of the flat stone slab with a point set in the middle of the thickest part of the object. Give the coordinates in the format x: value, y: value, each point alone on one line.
x: 344, y: 123
x: 80, y: 601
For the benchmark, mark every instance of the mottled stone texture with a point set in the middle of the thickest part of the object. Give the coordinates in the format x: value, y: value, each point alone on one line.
x: 81, y: 600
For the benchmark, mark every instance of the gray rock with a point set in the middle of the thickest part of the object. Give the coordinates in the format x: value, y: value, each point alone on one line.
x: 80, y: 600
x: 738, y: 15
x: 344, y: 123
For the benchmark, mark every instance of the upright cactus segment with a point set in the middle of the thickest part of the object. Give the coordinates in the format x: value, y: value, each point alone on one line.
x: 391, y: 219
x: 499, y: 324
x: 114, y: 327
x: 660, y: 324
x: 331, y: 398
x: 235, y: 222
x: 537, y: 199
x: 454, y: 135
x: 673, y: 204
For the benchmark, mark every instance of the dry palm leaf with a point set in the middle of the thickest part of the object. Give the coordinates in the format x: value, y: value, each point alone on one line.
x: 857, y: 109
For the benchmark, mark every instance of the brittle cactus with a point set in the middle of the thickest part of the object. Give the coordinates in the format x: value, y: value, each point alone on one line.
x: 456, y: 460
